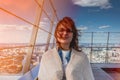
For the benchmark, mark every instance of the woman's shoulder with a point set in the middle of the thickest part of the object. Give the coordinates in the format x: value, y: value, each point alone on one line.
x: 49, y: 52
x: 79, y: 53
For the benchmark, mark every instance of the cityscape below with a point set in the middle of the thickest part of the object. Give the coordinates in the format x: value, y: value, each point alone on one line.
x: 12, y: 59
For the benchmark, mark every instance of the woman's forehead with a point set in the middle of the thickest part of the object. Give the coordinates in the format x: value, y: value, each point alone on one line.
x: 64, y: 26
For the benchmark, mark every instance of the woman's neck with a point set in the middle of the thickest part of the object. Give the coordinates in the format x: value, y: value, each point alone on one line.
x: 65, y: 47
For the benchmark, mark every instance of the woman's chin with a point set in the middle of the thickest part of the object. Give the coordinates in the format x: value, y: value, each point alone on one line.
x: 64, y: 42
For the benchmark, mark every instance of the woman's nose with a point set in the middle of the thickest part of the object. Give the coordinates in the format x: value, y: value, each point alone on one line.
x: 65, y: 32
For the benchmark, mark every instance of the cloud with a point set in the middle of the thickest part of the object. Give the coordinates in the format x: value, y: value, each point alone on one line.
x: 82, y: 28
x: 14, y: 27
x: 103, y: 4
x: 43, y: 24
x: 102, y: 27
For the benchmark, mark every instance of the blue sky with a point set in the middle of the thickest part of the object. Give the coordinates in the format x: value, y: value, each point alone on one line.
x: 93, y: 15
x: 89, y: 16
x: 96, y: 15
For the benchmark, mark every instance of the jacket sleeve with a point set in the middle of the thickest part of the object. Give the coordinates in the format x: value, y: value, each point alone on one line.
x: 87, y: 70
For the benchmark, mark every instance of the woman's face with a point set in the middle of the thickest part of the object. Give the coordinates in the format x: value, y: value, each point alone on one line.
x: 64, y: 34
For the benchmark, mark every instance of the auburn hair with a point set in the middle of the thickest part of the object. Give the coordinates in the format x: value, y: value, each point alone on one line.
x: 68, y: 22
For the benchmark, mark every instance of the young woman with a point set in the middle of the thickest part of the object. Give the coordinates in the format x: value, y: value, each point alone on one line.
x: 66, y: 61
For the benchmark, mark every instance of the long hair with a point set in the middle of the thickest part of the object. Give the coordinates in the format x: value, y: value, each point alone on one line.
x: 68, y: 22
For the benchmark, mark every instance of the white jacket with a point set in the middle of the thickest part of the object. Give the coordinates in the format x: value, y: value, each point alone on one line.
x: 78, y: 67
